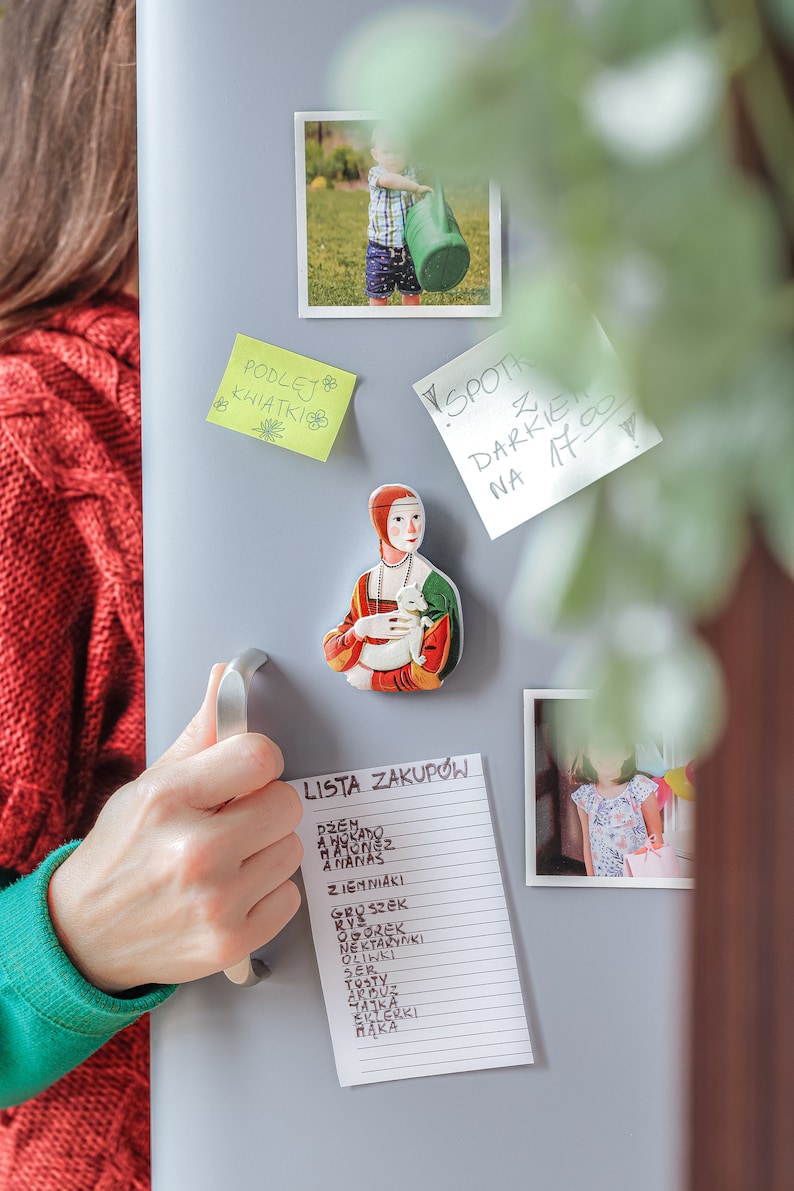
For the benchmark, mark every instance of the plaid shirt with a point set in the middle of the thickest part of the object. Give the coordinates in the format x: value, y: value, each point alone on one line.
x: 387, y: 209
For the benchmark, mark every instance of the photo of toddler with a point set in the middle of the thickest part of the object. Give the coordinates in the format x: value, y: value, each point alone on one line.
x: 380, y: 235
x: 393, y: 188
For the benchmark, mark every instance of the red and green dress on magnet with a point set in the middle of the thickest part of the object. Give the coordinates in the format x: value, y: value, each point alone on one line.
x: 441, y: 644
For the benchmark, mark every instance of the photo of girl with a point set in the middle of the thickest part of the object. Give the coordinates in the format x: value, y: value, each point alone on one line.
x: 618, y: 810
x: 598, y: 815
x: 403, y: 631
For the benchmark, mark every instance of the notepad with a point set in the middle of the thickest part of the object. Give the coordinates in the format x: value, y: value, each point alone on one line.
x: 409, y: 920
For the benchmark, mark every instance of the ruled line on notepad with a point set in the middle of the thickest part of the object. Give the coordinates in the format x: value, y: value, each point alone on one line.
x: 386, y: 895
x: 410, y: 814
x: 504, y: 1003
x: 388, y: 1043
x: 453, y: 988
x: 400, y: 972
x: 515, y: 1047
x: 401, y: 868
x: 469, y: 1017
x: 417, y: 802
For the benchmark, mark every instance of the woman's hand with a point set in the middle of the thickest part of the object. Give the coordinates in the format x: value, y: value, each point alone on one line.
x: 186, y: 870
x: 382, y: 626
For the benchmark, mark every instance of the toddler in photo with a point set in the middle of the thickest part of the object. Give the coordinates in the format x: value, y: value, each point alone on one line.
x: 393, y: 188
x: 618, y: 809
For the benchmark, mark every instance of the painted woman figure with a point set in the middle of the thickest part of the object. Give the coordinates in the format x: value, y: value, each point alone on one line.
x: 404, y: 630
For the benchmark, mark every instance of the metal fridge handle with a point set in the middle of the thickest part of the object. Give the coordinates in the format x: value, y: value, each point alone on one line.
x: 231, y: 718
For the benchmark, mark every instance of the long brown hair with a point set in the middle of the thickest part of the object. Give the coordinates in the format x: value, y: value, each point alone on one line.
x: 68, y: 162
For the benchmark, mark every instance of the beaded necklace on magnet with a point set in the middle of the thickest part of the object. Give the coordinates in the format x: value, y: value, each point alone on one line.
x: 392, y: 567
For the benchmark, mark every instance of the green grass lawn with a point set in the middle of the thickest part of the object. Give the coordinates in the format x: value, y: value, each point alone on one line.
x: 336, y: 225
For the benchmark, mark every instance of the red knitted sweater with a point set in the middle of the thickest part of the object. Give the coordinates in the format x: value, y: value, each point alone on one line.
x: 71, y: 686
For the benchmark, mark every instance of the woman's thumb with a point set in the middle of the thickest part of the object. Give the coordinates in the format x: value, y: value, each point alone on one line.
x: 200, y: 732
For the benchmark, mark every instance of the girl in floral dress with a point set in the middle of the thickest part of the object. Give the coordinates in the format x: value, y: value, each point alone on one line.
x: 617, y: 808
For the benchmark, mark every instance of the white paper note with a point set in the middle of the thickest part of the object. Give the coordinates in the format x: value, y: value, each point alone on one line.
x: 409, y: 920
x: 519, y: 440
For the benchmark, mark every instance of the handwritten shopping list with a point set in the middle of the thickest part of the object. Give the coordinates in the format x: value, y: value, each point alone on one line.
x: 409, y: 920
x: 282, y: 398
x: 520, y: 441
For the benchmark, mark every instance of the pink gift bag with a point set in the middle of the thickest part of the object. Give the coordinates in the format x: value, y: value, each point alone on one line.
x: 652, y: 861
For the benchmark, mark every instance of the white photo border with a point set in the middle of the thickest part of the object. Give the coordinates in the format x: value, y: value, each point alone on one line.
x: 530, y: 814
x: 491, y: 309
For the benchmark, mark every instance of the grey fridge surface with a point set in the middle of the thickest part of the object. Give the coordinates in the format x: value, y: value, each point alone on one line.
x: 248, y: 545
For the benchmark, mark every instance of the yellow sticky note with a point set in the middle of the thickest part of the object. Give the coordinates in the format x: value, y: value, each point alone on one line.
x: 282, y: 398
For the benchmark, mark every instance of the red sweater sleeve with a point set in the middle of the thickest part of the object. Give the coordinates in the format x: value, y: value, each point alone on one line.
x: 71, y: 624
x: 44, y: 589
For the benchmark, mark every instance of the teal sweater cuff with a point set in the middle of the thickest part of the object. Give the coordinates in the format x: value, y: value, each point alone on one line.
x: 43, y: 975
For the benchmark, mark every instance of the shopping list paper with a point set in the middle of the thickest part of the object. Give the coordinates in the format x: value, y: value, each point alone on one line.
x: 282, y: 398
x: 409, y: 921
x: 520, y: 441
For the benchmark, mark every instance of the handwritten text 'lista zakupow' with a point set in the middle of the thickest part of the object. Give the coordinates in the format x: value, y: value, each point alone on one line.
x: 409, y: 920
x: 520, y: 441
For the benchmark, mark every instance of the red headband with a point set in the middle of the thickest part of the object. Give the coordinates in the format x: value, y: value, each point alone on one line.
x: 380, y: 503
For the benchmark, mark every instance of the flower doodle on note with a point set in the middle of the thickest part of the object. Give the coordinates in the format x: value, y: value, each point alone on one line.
x: 270, y: 429
x: 317, y: 420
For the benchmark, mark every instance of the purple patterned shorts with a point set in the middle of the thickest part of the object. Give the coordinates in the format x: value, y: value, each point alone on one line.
x: 387, y: 268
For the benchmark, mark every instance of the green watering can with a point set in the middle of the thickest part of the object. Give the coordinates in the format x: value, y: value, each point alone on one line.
x: 440, y: 254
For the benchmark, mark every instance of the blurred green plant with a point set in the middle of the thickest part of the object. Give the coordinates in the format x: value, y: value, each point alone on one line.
x: 342, y: 164
x: 315, y: 160
x: 612, y: 128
